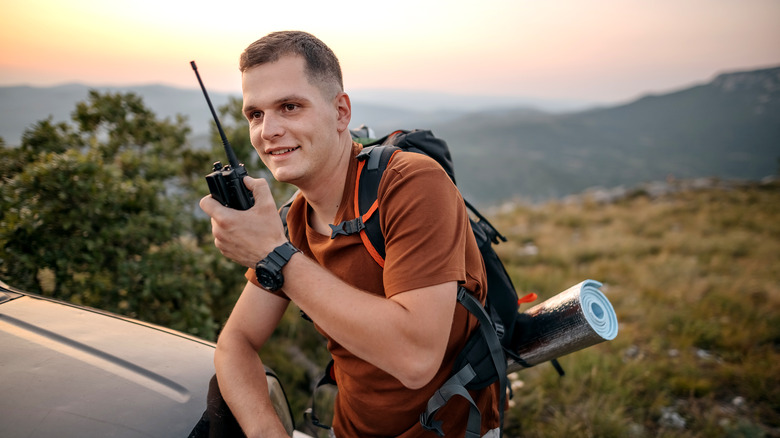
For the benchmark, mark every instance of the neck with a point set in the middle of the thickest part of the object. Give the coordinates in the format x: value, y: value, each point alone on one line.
x: 324, y: 196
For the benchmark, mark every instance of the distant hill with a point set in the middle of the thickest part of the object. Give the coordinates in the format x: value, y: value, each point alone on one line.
x: 22, y: 106
x: 726, y: 128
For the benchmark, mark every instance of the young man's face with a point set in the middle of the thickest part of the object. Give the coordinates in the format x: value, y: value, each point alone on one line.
x: 293, y: 125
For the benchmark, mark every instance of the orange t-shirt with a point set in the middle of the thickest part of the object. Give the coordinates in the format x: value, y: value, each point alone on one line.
x: 428, y: 241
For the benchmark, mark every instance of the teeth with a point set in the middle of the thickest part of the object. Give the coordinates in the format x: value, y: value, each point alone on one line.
x: 282, y: 151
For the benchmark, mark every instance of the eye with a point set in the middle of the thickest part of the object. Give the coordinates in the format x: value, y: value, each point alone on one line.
x: 289, y: 107
x: 254, y: 115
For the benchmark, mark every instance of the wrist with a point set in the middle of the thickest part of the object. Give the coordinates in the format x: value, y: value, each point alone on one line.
x: 269, y: 270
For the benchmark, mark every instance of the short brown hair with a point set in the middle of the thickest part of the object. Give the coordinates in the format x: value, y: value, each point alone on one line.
x: 322, y: 66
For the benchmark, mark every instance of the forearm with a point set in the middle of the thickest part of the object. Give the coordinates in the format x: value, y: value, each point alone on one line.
x: 404, y: 337
x: 243, y: 384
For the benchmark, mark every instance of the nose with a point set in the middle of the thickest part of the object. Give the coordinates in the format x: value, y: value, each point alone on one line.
x: 273, y: 127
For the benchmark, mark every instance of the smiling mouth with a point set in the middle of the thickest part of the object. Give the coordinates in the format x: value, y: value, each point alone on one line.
x: 284, y: 151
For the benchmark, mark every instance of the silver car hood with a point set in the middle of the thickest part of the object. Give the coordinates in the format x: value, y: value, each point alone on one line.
x: 67, y: 370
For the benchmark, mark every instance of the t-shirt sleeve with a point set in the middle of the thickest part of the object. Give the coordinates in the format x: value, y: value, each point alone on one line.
x: 425, y: 224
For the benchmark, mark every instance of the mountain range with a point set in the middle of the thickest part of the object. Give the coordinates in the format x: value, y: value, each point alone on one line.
x: 728, y: 127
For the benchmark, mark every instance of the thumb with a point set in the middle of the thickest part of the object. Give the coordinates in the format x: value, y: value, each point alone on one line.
x: 259, y: 188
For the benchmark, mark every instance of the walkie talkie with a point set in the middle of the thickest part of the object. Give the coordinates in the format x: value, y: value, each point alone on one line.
x: 226, y: 183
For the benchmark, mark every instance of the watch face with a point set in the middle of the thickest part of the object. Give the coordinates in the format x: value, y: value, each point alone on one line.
x: 269, y: 279
x: 269, y: 270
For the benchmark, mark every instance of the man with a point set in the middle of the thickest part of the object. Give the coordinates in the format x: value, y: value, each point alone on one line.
x: 393, y: 331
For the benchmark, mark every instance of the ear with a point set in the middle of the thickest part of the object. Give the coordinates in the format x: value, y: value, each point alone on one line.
x: 344, y: 109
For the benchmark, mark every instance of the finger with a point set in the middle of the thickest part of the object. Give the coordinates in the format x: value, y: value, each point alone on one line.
x: 260, y: 189
x: 255, y: 184
x: 219, y: 237
x: 213, y: 208
x: 208, y: 204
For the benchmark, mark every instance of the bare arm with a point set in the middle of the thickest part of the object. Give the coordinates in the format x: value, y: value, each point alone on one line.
x: 240, y: 371
x: 405, y: 335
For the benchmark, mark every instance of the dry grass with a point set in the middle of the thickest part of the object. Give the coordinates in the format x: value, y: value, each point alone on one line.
x: 695, y: 280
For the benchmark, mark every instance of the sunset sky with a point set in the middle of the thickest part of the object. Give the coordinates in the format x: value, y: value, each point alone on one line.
x: 559, y: 49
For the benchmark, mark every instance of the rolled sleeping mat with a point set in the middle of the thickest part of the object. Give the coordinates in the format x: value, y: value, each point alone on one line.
x: 575, y: 319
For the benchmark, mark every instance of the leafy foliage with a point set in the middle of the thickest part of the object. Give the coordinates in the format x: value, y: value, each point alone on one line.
x: 103, y: 212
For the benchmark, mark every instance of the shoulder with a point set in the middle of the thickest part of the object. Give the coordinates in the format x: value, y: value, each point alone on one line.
x: 294, y: 218
x: 417, y: 178
x: 416, y: 175
x: 412, y: 165
x: 410, y: 161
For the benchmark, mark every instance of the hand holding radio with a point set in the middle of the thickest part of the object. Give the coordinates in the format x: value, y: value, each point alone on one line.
x: 246, y: 236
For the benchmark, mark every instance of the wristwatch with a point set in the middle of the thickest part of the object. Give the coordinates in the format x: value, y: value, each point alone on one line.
x: 269, y: 270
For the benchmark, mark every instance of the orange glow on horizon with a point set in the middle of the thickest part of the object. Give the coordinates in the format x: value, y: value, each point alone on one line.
x: 562, y: 48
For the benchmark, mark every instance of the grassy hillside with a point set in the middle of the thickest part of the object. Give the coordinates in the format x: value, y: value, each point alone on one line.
x: 695, y: 281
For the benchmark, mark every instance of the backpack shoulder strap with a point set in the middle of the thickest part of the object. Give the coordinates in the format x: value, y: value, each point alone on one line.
x: 283, y: 211
x: 481, y: 363
x: 372, y: 162
x: 285, y: 208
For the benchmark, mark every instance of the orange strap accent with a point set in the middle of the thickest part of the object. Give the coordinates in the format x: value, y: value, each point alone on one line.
x: 361, y: 165
x: 527, y: 298
x: 363, y: 236
x: 371, y: 250
x: 400, y: 131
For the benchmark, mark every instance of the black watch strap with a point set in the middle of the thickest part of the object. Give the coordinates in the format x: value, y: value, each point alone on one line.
x: 269, y: 270
x: 282, y: 254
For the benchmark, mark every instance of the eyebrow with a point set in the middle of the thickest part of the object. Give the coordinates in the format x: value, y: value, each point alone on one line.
x: 280, y: 101
x: 291, y: 97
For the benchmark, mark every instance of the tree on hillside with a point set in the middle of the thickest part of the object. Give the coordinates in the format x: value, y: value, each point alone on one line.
x: 103, y: 212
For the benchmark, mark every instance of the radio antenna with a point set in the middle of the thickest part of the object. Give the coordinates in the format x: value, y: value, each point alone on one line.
x: 228, y: 149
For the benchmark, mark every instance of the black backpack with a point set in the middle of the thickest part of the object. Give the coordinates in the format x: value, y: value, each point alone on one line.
x: 483, y: 359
